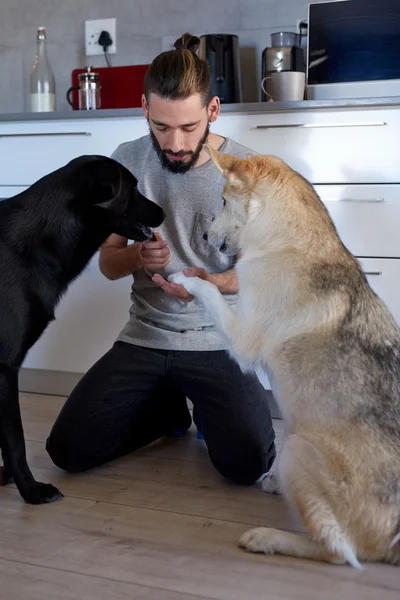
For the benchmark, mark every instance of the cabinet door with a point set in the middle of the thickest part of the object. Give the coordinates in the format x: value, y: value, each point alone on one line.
x: 367, y: 217
x: 27, y: 153
x: 88, y: 320
x: 384, y: 276
x: 325, y: 146
x: 30, y: 150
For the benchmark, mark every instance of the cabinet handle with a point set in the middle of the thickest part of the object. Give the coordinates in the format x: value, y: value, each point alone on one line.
x: 359, y: 200
x: 372, y: 272
x: 51, y: 134
x: 323, y: 125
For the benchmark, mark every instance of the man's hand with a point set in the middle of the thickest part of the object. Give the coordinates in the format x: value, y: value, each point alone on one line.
x: 155, y: 253
x: 178, y: 291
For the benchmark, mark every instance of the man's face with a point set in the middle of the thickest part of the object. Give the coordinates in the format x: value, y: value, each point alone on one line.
x: 178, y: 129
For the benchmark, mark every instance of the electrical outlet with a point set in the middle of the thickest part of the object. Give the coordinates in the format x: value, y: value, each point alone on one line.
x: 298, y: 21
x: 93, y: 30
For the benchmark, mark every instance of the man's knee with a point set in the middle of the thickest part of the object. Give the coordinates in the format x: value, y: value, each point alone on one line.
x: 245, y: 466
x: 64, y: 456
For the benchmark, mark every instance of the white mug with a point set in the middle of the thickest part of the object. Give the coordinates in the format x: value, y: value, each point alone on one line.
x: 285, y: 86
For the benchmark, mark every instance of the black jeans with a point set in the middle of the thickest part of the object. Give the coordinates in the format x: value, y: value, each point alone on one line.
x: 133, y: 396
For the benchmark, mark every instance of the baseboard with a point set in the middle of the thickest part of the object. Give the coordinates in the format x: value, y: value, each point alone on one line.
x: 61, y: 383
x: 53, y: 383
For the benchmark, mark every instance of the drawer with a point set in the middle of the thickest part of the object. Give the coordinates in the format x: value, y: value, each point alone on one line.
x: 30, y: 150
x: 350, y: 146
x: 367, y: 217
x: 7, y: 191
x: 26, y: 156
x: 384, y: 277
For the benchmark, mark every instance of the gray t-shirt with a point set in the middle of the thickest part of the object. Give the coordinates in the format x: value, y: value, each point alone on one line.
x: 191, y: 201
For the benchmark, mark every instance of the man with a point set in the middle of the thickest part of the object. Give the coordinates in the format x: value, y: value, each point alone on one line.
x: 170, y: 349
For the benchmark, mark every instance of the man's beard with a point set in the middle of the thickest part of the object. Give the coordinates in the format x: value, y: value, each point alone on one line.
x: 179, y: 166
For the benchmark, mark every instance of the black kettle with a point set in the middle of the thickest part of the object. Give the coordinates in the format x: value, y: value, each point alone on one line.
x: 223, y: 55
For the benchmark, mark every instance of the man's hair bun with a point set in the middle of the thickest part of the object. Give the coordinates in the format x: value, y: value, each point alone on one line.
x: 187, y: 41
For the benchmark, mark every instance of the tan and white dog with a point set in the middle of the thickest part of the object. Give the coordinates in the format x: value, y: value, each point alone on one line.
x: 306, y: 313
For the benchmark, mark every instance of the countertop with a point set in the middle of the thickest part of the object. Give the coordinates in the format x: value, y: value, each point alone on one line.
x: 249, y: 108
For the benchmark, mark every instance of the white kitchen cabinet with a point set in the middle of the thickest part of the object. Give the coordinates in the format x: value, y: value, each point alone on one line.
x: 350, y: 155
x: 30, y: 150
x: 367, y: 217
x: 94, y: 309
x: 384, y: 276
x: 351, y: 146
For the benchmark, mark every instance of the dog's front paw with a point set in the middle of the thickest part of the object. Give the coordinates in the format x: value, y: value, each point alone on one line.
x: 191, y: 284
x: 270, y: 484
x: 42, y: 493
x: 179, y: 278
x: 261, y: 539
x: 5, y: 476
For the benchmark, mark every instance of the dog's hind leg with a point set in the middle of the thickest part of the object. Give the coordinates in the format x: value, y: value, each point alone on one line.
x: 305, y: 480
x: 13, y: 444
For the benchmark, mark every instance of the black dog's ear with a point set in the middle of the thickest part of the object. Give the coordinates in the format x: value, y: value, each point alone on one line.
x: 105, y: 195
x: 107, y: 184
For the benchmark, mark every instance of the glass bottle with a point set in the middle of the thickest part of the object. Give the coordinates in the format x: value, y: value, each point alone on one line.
x: 42, y: 81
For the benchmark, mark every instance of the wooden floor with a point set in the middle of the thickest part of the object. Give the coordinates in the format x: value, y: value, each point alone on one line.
x: 157, y: 525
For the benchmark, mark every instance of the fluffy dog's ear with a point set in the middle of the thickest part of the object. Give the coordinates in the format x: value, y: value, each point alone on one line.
x: 232, y: 168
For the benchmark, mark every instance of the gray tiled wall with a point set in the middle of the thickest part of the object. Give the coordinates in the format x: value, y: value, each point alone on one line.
x: 144, y: 28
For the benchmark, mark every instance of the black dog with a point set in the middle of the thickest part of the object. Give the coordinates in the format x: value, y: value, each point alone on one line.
x: 48, y: 234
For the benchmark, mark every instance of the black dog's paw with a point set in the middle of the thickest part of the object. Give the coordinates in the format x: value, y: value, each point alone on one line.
x: 5, y: 477
x: 43, y: 493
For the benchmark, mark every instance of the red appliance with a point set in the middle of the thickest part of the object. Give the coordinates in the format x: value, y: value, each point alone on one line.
x: 121, y: 87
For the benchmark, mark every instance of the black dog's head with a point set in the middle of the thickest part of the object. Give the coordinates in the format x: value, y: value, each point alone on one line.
x: 109, y: 187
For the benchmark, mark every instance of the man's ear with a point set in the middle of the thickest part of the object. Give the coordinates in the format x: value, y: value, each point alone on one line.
x: 231, y: 167
x: 145, y: 107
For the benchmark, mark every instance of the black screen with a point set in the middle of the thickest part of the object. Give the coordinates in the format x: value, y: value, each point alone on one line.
x: 355, y: 40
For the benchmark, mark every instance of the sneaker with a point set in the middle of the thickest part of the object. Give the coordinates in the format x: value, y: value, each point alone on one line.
x: 200, y: 435
x: 179, y: 432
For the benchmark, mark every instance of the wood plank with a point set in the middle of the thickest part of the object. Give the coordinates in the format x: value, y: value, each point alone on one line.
x: 157, y: 525
x: 21, y: 581
x: 187, y: 488
x: 178, y: 553
x: 162, y: 477
x: 39, y: 414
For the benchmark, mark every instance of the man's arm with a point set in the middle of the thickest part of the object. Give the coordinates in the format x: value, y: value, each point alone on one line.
x: 117, y: 259
x: 227, y: 282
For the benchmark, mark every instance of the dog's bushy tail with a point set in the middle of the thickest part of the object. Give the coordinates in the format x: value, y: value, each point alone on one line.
x: 345, y: 549
x: 331, y: 535
x: 393, y: 554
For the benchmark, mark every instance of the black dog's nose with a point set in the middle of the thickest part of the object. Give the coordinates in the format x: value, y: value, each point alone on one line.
x: 223, y: 248
x: 205, y: 236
